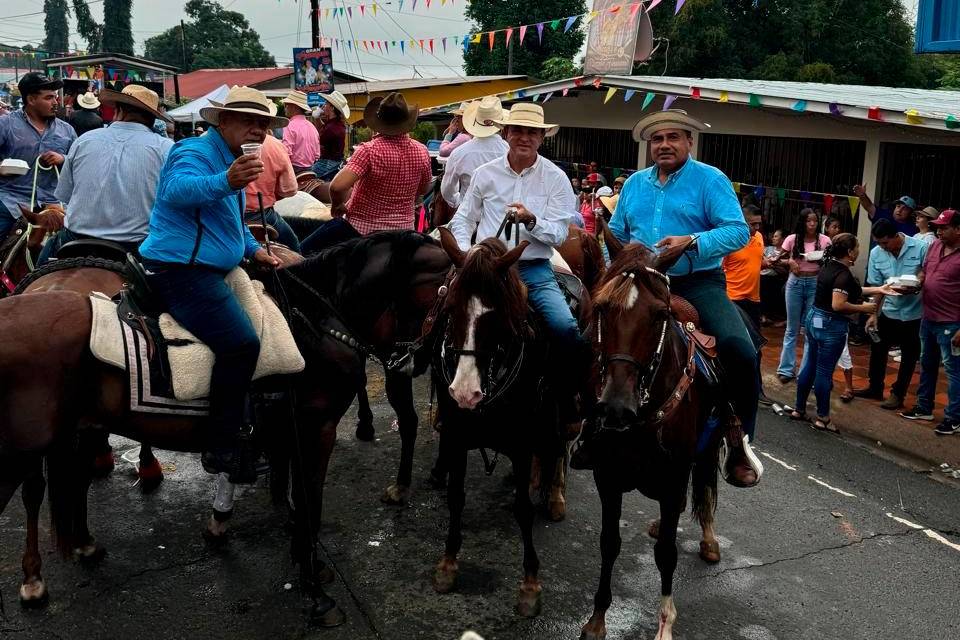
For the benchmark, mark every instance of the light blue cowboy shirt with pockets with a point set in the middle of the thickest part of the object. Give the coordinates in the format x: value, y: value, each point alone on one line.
x: 909, y: 262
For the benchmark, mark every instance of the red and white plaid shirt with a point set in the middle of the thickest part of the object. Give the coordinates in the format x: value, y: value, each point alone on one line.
x: 393, y: 171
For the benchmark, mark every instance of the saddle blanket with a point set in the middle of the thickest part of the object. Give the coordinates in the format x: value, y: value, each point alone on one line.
x: 191, y: 361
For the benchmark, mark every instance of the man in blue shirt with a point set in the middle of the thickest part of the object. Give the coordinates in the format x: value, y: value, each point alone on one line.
x: 901, y: 215
x: 31, y: 133
x: 196, y: 237
x: 898, y: 318
x: 687, y: 209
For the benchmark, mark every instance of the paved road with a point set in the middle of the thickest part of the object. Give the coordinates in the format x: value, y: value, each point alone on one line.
x: 810, y: 553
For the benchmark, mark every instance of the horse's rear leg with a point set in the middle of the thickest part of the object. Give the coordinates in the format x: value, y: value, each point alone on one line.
x: 400, y: 394
x: 86, y: 550
x: 455, y: 457
x: 33, y: 591
x: 529, y: 600
x: 611, y: 502
x: 104, y: 462
x: 557, y: 503
x: 705, y: 505
x: 149, y: 471
x: 665, y: 554
x: 365, y: 430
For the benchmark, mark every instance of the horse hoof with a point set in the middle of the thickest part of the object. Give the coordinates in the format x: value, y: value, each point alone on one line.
x: 90, y: 555
x: 557, y: 510
x: 590, y: 634
x: 365, y: 432
x: 710, y: 551
x: 332, y: 617
x: 34, y: 595
x: 445, y: 575
x: 103, y: 464
x: 529, y: 600
x: 654, y: 530
x: 395, y: 495
x: 151, y: 475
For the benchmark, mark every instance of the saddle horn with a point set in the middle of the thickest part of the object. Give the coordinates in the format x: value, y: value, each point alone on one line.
x: 449, y: 244
x: 614, y: 246
x: 506, y: 260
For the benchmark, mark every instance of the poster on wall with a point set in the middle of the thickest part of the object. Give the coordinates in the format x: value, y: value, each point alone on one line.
x: 613, y: 39
x: 313, y: 70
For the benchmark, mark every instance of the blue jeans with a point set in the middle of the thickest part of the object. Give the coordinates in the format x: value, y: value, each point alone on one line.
x: 798, y: 293
x: 719, y: 317
x: 6, y: 221
x: 326, y: 169
x: 826, y: 338
x: 935, y: 348
x: 200, y: 300
x: 62, y: 237
x: 285, y: 234
x: 544, y: 295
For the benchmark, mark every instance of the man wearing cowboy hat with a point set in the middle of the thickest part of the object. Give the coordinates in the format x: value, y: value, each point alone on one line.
x: 300, y: 137
x: 331, y: 121
x: 196, y: 237
x: 455, y: 135
x: 537, y: 193
x: 109, y: 179
x: 33, y: 133
x: 486, y: 145
x: 84, y: 118
x: 383, y: 178
x: 687, y: 210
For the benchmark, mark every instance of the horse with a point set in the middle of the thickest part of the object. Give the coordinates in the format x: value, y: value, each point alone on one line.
x: 581, y: 251
x: 21, y: 248
x: 655, y: 408
x: 488, y: 329
x: 353, y: 300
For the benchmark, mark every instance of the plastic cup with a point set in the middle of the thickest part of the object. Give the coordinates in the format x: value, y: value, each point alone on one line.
x: 251, y: 149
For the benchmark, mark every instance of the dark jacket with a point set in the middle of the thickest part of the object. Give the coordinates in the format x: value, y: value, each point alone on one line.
x: 84, y: 120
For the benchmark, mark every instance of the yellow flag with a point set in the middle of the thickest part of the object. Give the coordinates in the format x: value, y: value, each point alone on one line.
x: 736, y: 187
x: 724, y: 97
x: 913, y: 116
x: 610, y: 92
x: 475, y: 39
x: 590, y: 16
x: 374, y: 8
x: 326, y: 13
x: 854, y: 204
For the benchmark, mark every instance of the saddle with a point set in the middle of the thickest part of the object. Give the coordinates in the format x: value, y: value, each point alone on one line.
x: 93, y: 247
x: 688, y: 317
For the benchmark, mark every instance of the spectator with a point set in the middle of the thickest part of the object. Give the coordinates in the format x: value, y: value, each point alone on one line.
x: 742, y: 268
x: 772, y: 278
x: 591, y: 207
x: 838, y: 296
x: 901, y: 214
x: 803, y: 248
x: 898, y: 319
x: 940, y: 326
x: 455, y: 135
x: 832, y: 228
x: 923, y: 218
x: 85, y: 118
x: 618, y: 184
x: 330, y: 120
x: 575, y: 183
x: 300, y: 137
x: 595, y: 176
x: 277, y: 181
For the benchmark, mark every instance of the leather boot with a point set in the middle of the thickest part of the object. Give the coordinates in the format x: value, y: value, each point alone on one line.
x: 740, y: 466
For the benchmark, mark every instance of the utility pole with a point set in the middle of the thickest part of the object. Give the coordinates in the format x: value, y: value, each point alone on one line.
x: 315, y: 22
x: 183, y: 49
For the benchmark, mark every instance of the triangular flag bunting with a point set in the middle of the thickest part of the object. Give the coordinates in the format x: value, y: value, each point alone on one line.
x: 565, y: 92
x: 475, y: 39
x: 596, y: 83
x: 695, y: 93
x: 570, y: 22
x: 781, y: 196
x: 443, y: 41
x: 827, y: 203
x: 668, y: 102
x: 554, y: 24
x: 913, y: 116
x: 540, y: 31
x: 590, y: 17
x: 523, y: 32
x: 509, y: 35
x: 680, y: 4
x: 754, y: 100
x: 854, y: 204
x: 490, y: 36
x: 952, y: 123
x: 549, y: 95
x: 350, y: 11
x: 578, y: 81
x: 835, y: 109
x: 615, y: 8
x: 736, y: 187
x: 610, y: 92
x: 652, y: 5
x: 628, y: 94
x: 799, y: 106
x: 647, y: 99
x: 431, y: 45
x: 724, y: 97
x: 361, y: 10
x: 374, y: 8
x: 401, y: 47
x: 874, y: 113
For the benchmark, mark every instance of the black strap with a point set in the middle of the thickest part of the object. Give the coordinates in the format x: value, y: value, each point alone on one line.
x: 196, y: 244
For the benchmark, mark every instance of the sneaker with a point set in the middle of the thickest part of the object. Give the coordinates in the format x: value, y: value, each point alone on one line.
x: 784, y: 379
x: 948, y: 427
x: 917, y: 414
x: 892, y: 402
x: 895, y: 353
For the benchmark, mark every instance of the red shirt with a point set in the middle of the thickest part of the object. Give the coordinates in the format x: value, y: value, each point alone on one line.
x: 393, y: 171
x: 941, y: 282
x: 333, y: 136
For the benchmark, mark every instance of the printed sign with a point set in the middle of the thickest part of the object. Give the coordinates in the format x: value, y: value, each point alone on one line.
x: 313, y: 70
x: 612, y: 39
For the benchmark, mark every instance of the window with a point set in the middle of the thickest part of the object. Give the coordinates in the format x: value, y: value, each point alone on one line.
x: 938, y: 26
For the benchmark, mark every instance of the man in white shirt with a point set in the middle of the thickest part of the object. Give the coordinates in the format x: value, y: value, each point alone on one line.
x: 487, y: 145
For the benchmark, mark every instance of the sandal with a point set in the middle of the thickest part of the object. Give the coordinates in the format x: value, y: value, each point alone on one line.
x: 796, y: 415
x: 847, y: 397
x: 825, y: 424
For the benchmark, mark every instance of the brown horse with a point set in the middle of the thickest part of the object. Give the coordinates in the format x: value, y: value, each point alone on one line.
x: 352, y: 300
x: 581, y: 252
x: 21, y: 248
x: 655, y: 408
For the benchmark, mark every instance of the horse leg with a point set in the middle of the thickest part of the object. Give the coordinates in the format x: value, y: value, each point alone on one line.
x: 705, y: 506
x: 455, y: 456
x: 400, y: 394
x: 103, y: 463
x: 86, y: 549
x: 149, y: 471
x: 531, y: 589
x: 364, y: 414
x: 665, y: 554
x: 611, y: 505
x: 33, y: 591
x: 557, y: 504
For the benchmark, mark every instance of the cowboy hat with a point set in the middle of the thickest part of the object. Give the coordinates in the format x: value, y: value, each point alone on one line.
x: 137, y: 97
x: 462, y: 109
x: 929, y: 212
x: 527, y: 114
x: 244, y: 100
x: 338, y: 101
x: 669, y: 119
x: 297, y: 99
x: 480, y: 115
x: 88, y: 101
x: 610, y: 202
x: 390, y: 115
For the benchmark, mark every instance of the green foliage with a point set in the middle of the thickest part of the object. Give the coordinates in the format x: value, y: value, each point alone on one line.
x: 361, y: 135
x: 89, y: 28
x: 117, y: 36
x: 55, y: 26
x: 817, y: 72
x: 558, y: 69
x: 214, y: 38
x: 529, y: 57
x: 946, y: 68
x: 424, y: 131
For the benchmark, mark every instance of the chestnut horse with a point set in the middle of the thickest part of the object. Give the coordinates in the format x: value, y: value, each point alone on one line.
x: 21, y: 248
x: 352, y: 300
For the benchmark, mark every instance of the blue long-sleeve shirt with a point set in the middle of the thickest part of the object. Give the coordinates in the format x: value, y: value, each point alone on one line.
x: 696, y: 199
x: 197, y: 218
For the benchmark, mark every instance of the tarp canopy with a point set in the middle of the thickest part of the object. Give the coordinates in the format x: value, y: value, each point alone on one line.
x: 190, y: 112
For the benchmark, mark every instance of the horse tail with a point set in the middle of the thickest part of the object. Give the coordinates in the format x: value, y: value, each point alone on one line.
x: 704, y: 489
x: 62, y: 491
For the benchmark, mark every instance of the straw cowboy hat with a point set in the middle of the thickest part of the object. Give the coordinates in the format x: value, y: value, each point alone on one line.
x: 610, y: 202
x: 929, y: 212
x: 480, y: 116
x: 88, y: 101
x: 297, y: 99
x: 390, y: 115
x: 669, y: 119
x: 462, y: 109
x: 527, y: 114
x: 339, y: 102
x: 243, y: 100
x: 135, y: 96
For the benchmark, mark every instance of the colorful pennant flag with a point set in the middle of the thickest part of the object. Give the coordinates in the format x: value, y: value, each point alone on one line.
x: 548, y: 96
x: 565, y: 92
x: 540, y: 32
x: 754, y: 100
x: 827, y: 203
x: 628, y: 94
x: 523, y: 32
x: 781, y: 195
x: 647, y: 99
x: 652, y: 5
x: 554, y: 24
x: 476, y: 38
x: 873, y: 113
x: 596, y: 83
x: 610, y: 93
x: 570, y: 22
x: 759, y: 192
x: 913, y: 116
x: 590, y: 17
x: 952, y: 123
x: 799, y: 106
x: 509, y: 35
x: 736, y: 187
x: 695, y: 93
x: 490, y: 36
x: 835, y: 109
x: 668, y: 102
x: 854, y: 204
x: 724, y: 97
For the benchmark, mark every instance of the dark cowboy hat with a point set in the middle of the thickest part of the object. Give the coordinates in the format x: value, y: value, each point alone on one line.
x: 33, y: 82
x: 391, y: 115
x: 138, y: 97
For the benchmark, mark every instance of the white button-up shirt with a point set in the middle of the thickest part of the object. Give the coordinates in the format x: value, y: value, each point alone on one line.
x: 464, y: 161
x: 543, y: 189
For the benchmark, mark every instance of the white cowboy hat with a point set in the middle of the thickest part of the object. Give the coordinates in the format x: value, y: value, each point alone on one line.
x: 297, y: 99
x: 244, y: 100
x: 480, y: 115
x: 339, y: 102
x: 669, y: 119
x: 462, y: 109
x: 88, y: 101
x: 138, y: 97
x: 527, y: 114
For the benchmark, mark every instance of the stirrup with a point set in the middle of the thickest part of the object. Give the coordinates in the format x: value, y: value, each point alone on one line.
x: 726, y: 451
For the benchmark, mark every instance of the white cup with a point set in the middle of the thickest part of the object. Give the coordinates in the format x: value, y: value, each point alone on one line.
x: 251, y: 149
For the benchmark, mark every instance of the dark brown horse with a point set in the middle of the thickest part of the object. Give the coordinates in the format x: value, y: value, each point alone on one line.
x: 581, y: 252
x: 654, y: 410
x: 21, y: 248
x: 355, y: 299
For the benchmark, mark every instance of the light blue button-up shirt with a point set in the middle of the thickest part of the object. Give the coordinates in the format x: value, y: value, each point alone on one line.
x: 19, y: 139
x: 109, y: 181
x: 883, y: 265
x: 696, y: 199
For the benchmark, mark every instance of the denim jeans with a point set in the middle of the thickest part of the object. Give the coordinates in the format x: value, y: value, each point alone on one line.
x: 285, y: 234
x: 62, y: 237
x: 326, y: 169
x: 905, y: 333
x: 333, y: 232
x: 798, y: 294
x: 719, y: 317
x: 6, y: 222
x: 826, y: 339
x: 935, y: 340
x: 200, y: 300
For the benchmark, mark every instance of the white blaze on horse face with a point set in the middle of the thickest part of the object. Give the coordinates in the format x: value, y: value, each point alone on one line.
x: 632, y: 296
x: 465, y: 388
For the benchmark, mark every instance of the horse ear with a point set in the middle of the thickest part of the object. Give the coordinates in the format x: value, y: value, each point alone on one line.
x: 663, y: 264
x: 614, y: 246
x: 25, y: 211
x: 449, y: 244
x: 505, y: 261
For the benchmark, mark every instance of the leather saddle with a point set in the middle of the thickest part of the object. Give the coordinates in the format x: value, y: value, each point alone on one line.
x: 688, y: 317
x: 93, y: 247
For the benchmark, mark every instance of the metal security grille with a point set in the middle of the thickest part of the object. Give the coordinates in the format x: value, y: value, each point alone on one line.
x: 609, y: 148
x: 927, y: 173
x: 794, y: 164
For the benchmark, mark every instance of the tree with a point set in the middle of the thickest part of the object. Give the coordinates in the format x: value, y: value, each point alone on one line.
x: 55, y: 26
x: 529, y: 57
x: 117, y: 36
x: 558, y: 69
x: 213, y: 38
x: 89, y: 28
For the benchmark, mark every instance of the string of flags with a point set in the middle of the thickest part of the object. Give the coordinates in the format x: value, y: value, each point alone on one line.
x: 109, y: 74
x: 780, y: 194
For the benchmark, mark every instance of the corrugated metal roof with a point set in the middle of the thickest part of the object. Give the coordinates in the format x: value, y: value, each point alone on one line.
x: 415, y: 83
x: 203, y: 81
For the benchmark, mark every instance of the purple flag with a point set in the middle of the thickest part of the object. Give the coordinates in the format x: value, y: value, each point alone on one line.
x: 668, y: 102
x: 540, y: 32
x: 835, y: 109
x: 679, y: 6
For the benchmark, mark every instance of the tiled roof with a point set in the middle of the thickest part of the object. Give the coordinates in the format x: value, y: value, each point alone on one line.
x: 199, y: 83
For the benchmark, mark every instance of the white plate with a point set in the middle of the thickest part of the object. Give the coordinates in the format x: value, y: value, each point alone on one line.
x: 813, y: 256
x: 14, y: 167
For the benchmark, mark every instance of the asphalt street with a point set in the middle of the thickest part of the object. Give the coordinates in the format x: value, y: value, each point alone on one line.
x: 836, y: 542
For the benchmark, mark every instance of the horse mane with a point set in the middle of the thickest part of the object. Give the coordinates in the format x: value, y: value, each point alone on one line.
x: 614, y: 290
x: 498, y: 289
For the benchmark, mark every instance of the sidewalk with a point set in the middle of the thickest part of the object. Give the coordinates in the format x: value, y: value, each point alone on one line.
x: 864, y: 419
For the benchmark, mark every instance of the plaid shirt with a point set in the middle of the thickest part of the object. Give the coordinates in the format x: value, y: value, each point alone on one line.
x: 393, y: 171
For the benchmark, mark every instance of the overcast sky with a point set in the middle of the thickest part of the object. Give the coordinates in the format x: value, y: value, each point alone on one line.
x: 284, y: 24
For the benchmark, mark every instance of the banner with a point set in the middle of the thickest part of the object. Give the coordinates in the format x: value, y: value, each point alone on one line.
x: 313, y: 70
x: 611, y: 39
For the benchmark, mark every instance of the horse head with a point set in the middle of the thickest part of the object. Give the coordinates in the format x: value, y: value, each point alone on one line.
x: 487, y: 309
x: 49, y: 219
x: 632, y: 317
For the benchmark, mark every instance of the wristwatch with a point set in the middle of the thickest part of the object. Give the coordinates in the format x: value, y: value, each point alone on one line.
x: 693, y: 246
